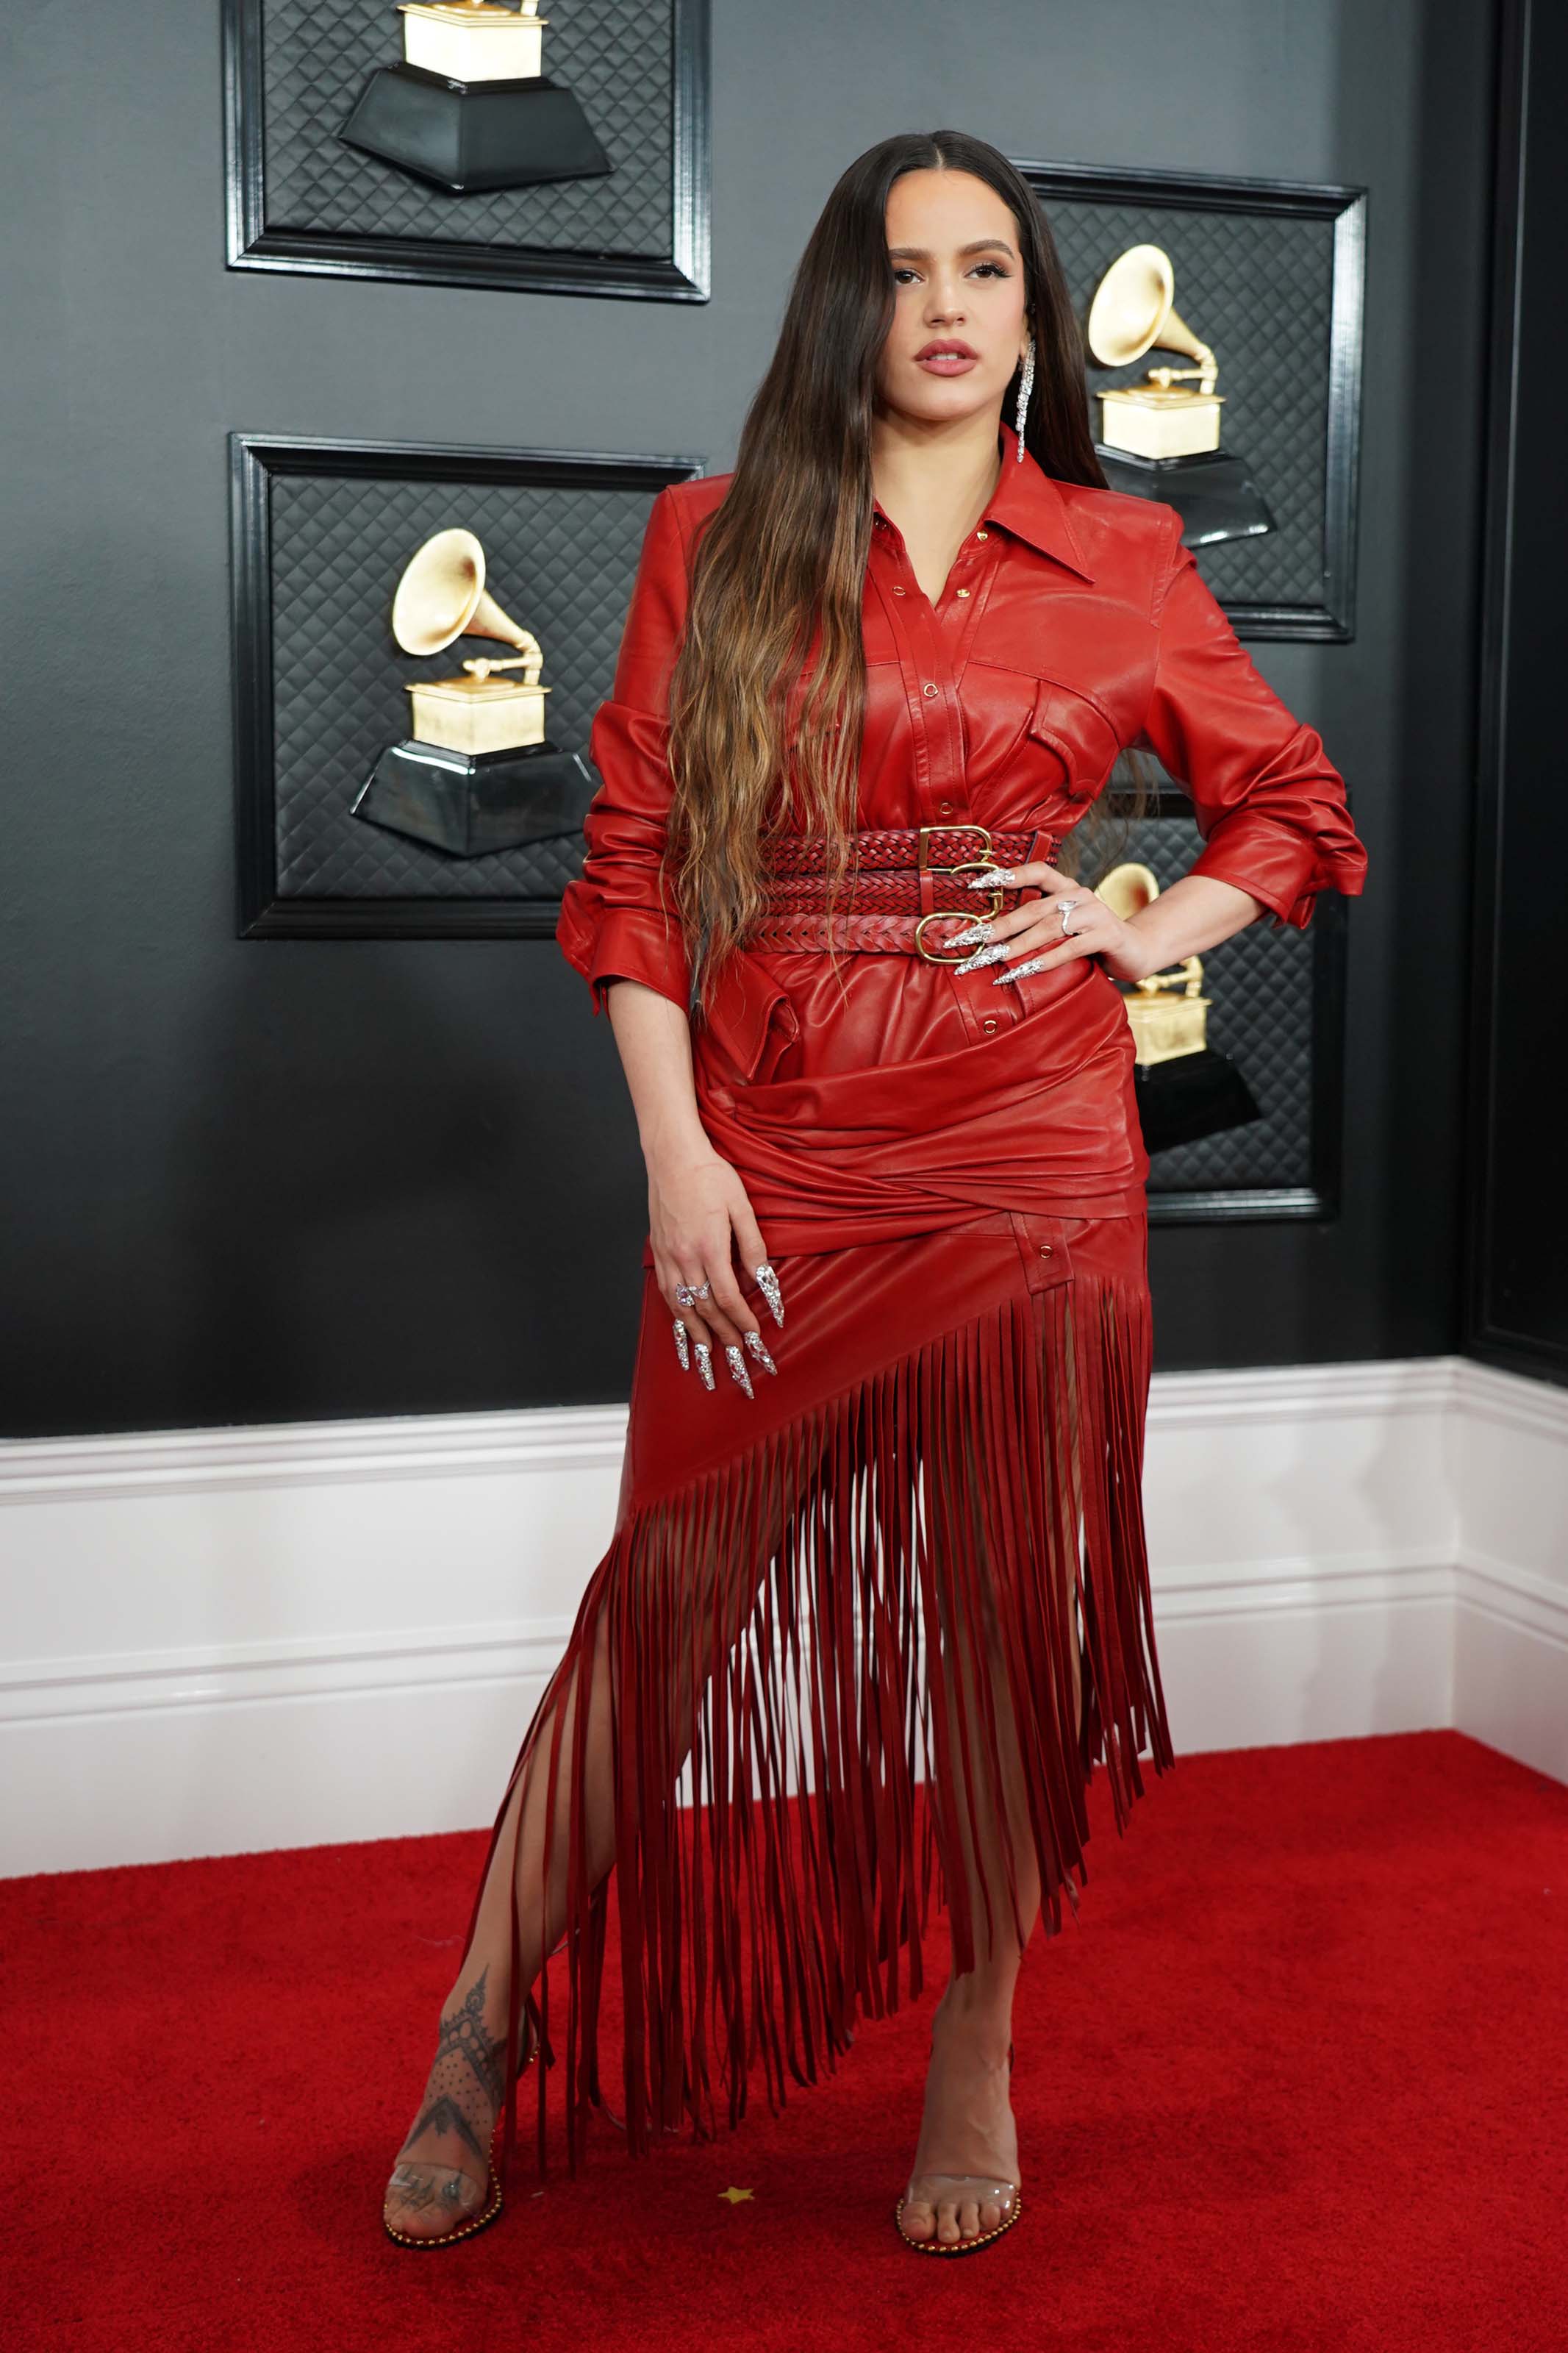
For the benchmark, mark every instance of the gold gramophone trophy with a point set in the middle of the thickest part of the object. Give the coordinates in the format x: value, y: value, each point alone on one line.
x: 477, y: 772
x: 1161, y: 437
x: 471, y: 106
x: 1185, y: 1089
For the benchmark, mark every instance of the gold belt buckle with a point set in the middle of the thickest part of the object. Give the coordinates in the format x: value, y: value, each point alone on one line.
x: 964, y: 866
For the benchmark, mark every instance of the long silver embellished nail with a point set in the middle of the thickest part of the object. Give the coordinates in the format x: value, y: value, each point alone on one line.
x: 737, y: 1364
x: 771, y: 1292
x: 1032, y: 963
x: 996, y: 954
x: 705, y: 1363
x: 995, y: 877
x: 753, y: 1341
x: 681, y: 1349
x: 972, y: 938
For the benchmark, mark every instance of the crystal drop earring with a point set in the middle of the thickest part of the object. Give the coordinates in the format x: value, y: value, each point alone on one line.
x: 1025, y: 385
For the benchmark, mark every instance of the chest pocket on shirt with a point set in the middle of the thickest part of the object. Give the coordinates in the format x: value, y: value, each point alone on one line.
x: 1079, y: 733
x: 1020, y: 770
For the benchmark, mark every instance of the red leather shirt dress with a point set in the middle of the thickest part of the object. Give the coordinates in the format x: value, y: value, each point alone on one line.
x: 949, y: 1179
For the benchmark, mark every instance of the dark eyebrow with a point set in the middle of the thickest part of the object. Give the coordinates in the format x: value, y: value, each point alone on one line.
x: 918, y: 253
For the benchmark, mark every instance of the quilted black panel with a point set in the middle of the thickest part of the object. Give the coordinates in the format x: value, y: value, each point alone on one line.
x: 1261, y: 984
x: 1257, y: 286
x: 559, y: 560
x: 616, y: 55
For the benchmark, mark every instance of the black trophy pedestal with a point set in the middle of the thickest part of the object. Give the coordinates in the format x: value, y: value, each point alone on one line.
x: 472, y: 802
x: 1213, y: 492
x: 476, y: 134
x: 1189, y: 1096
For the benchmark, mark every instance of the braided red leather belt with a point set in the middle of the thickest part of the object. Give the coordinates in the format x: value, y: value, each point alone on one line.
x: 908, y: 895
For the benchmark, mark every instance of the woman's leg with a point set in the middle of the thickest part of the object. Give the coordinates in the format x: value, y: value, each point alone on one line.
x: 442, y: 2170
x: 967, y: 2127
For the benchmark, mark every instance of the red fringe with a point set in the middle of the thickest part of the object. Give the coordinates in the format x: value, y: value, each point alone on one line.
x: 768, y: 1630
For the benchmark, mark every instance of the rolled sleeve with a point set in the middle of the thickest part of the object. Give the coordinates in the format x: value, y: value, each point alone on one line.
x: 618, y: 918
x: 1270, y: 803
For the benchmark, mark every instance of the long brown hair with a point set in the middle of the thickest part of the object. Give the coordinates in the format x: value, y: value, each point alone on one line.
x: 767, y: 696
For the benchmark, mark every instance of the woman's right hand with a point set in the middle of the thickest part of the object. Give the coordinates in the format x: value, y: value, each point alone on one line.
x: 698, y: 1215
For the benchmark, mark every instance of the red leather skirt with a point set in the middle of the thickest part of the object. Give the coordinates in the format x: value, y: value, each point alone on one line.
x: 826, y: 1606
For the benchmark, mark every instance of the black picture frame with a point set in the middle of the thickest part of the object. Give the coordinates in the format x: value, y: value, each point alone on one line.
x: 1330, y: 616
x: 256, y: 462
x: 1317, y: 1200
x: 255, y: 242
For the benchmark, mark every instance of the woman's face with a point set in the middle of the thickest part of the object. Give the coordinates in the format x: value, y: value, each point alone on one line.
x: 958, y: 329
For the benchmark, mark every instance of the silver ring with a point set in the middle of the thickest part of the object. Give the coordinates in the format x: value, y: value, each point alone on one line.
x: 1065, y: 908
x: 687, y: 1294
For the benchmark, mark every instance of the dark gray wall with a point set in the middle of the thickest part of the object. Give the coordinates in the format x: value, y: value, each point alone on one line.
x: 254, y: 1181
x: 1517, y: 1302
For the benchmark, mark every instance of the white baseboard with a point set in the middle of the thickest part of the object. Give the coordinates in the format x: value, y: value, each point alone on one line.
x: 1510, y: 1649
x: 227, y: 1639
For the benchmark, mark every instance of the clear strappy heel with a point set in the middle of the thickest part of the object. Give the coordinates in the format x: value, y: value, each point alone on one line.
x: 493, y: 2201
x: 972, y: 2189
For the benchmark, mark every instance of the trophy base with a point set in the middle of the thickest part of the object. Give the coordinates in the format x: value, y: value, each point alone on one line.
x: 1212, y: 492
x: 1190, y: 1096
x: 469, y: 136
x: 469, y: 803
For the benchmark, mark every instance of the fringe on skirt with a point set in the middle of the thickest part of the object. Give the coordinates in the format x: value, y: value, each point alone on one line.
x: 782, y: 1634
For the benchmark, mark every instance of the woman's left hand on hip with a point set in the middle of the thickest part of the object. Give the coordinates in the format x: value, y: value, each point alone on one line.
x: 1035, y: 937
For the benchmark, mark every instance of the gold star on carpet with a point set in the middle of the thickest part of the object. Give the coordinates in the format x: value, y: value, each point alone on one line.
x: 735, y: 2196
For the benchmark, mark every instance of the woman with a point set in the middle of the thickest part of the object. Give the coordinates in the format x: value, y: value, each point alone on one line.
x: 877, y: 1598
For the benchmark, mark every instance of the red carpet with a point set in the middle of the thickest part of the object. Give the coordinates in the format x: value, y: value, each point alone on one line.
x: 1299, y: 2079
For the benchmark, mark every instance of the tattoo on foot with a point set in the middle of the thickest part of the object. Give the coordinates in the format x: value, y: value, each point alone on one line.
x: 444, y: 2115
x: 468, y: 2082
x: 420, y: 2186
x: 463, y: 2033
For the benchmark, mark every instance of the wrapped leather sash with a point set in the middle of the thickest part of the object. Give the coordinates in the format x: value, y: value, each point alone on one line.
x: 1037, y: 1117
